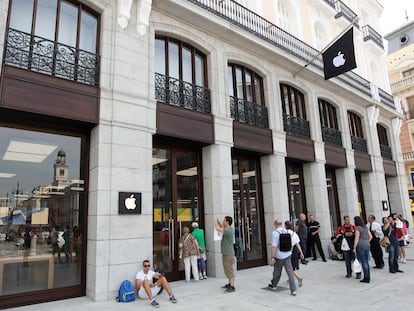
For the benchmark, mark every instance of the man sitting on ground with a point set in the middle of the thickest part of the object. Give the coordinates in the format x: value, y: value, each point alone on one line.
x: 147, y: 289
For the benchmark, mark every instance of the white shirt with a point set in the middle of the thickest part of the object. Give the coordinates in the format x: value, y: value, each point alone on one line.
x: 376, y: 228
x: 142, y: 276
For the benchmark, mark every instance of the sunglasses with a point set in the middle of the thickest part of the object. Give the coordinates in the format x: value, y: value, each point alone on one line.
x: 147, y: 266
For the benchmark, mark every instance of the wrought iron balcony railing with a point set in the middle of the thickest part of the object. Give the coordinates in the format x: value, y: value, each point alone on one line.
x: 331, y: 136
x: 265, y: 30
x: 248, y: 112
x: 182, y: 94
x: 386, y: 152
x: 49, y: 57
x: 359, y: 143
x: 296, y: 126
x: 371, y: 34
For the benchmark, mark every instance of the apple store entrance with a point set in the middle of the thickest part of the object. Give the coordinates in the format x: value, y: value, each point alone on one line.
x: 176, y: 176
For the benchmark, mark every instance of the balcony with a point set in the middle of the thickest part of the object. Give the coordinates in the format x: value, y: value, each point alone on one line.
x: 343, y: 10
x: 48, y: 57
x: 408, y: 156
x: 269, y: 32
x: 386, y: 152
x: 248, y: 112
x: 359, y: 143
x: 370, y: 34
x: 331, y: 136
x: 182, y: 94
x: 404, y: 83
x: 296, y: 126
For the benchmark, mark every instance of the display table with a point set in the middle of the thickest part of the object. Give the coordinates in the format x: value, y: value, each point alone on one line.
x: 27, y: 259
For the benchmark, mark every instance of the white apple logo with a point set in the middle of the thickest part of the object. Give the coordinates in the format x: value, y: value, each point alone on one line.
x: 339, y: 60
x: 130, y: 202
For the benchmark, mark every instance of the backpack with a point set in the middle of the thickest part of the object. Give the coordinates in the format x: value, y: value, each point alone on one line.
x: 285, y: 241
x: 126, y: 292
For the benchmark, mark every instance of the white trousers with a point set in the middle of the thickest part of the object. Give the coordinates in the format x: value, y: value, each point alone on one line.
x: 190, y: 263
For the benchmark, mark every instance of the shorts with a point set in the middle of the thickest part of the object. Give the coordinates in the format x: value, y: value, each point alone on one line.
x: 401, y: 243
x: 154, y: 290
x: 228, y: 261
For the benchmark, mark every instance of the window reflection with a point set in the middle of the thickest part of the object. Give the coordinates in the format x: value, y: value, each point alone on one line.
x: 41, y: 192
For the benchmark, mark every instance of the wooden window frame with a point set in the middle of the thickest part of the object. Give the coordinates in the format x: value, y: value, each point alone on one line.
x: 297, y: 107
x: 253, y: 77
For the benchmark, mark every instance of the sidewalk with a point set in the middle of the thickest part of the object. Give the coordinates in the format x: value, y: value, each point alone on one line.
x: 324, y: 288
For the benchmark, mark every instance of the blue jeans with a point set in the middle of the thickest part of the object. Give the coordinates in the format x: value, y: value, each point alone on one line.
x: 362, y: 252
x: 393, y: 253
x: 303, y: 244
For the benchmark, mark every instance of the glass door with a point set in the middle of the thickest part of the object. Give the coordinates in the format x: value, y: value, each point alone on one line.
x: 296, y: 190
x: 248, y: 213
x: 176, y: 203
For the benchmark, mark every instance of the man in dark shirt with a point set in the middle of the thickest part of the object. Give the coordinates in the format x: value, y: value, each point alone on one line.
x: 314, y: 229
x: 302, y: 231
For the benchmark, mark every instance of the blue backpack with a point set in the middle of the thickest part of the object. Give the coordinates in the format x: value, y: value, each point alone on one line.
x: 126, y: 292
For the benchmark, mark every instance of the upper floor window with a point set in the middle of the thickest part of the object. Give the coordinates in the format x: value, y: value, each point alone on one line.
x: 180, y: 75
x: 408, y: 73
x: 355, y: 125
x: 245, y: 84
x: 293, y: 101
x: 53, y: 37
x: 356, y: 132
x: 294, y: 111
x: 179, y: 60
x: 383, y: 141
x: 329, y: 123
x: 327, y: 114
x: 56, y: 20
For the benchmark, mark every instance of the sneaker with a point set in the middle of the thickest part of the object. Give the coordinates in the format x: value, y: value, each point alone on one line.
x: 173, y: 299
x: 226, y: 286
x: 205, y: 277
x: 230, y: 289
x: 272, y: 287
x: 155, y: 304
x: 294, y: 293
x: 300, y: 282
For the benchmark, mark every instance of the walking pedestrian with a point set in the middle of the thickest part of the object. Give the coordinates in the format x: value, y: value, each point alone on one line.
x: 281, y: 259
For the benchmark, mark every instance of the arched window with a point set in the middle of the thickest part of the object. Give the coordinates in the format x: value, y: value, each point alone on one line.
x: 180, y: 75
x: 294, y: 111
x: 55, y: 37
x: 246, y: 92
x: 180, y: 60
x: 356, y: 132
x: 245, y: 84
x: 329, y: 123
x: 383, y: 141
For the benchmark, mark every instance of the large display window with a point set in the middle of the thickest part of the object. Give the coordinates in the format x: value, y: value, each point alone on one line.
x: 42, y: 191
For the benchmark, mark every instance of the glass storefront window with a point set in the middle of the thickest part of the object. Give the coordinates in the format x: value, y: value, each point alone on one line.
x: 41, y: 195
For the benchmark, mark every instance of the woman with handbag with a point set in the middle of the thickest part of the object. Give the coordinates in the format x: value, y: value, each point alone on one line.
x: 362, y: 246
x: 189, y: 251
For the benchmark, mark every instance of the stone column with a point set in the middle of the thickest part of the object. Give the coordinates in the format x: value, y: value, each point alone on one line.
x: 218, y: 190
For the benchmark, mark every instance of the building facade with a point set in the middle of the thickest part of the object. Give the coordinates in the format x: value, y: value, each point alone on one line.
x: 400, y: 63
x: 192, y: 109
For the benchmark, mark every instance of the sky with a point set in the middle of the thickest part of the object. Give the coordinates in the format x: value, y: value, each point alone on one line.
x: 394, y: 14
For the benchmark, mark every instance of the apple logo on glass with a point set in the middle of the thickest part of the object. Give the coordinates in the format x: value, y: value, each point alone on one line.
x: 339, y: 60
x: 130, y: 202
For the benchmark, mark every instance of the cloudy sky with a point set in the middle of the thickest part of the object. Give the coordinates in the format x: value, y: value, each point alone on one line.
x: 394, y: 14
